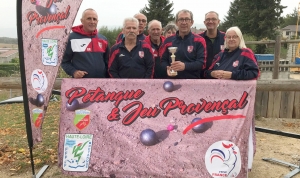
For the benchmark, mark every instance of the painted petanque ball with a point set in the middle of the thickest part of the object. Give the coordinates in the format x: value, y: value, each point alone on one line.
x: 148, y: 137
x: 39, y: 100
x: 168, y: 86
x: 73, y: 106
x: 53, y: 9
x: 201, y: 127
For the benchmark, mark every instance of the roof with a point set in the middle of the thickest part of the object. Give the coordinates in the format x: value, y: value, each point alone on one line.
x: 8, y: 53
x: 291, y: 28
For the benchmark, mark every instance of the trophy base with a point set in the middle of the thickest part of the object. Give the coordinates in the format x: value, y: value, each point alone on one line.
x: 173, y: 73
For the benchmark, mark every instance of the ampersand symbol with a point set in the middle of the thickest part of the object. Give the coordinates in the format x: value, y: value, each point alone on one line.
x: 114, y: 115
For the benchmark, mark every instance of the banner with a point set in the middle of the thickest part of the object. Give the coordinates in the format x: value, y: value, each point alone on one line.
x: 156, y: 128
x: 46, y: 25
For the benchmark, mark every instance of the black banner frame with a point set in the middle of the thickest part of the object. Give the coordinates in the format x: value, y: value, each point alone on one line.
x: 24, y: 89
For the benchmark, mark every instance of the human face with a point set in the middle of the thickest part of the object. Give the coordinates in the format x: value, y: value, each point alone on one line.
x: 155, y: 31
x: 211, y: 21
x: 130, y: 30
x: 232, y: 40
x: 169, y: 33
x: 89, y: 21
x: 184, y: 23
x: 142, y: 22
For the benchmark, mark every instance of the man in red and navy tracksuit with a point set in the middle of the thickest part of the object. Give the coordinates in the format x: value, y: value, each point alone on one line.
x: 191, y: 49
x: 155, y: 39
x: 87, y: 52
x: 131, y: 58
x: 214, y: 38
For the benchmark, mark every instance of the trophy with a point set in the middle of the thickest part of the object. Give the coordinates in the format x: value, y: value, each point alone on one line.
x: 173, y: 50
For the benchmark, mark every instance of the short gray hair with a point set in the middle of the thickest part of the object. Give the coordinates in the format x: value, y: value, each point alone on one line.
x: 130, y: 19
x: 170, y: 26
x: 213, y: 13
x: 154, y: 21
x: 239, y: 34
x: 185, y: 11
x: 139, y: 14
x: 88, y: 9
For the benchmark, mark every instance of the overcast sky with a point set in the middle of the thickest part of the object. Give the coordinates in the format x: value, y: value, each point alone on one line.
x: 112, y: 12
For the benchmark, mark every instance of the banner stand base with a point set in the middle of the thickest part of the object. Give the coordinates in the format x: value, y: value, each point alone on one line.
x: 41, y: 172
x: 290, y: 174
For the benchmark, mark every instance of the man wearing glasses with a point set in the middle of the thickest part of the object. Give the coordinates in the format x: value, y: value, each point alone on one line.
x: 87, y: 51
x: 191, y: 49
x: 142, y: 24
x: 214, y: 38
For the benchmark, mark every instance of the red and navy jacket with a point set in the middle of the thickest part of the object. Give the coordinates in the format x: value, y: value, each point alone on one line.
x: 86, y: 52
x: 191, y: 50
x: 241, y: 62
x: 212, y: 48
x: 140, y: 37
x: 137, y: 63
x: 159, y: 72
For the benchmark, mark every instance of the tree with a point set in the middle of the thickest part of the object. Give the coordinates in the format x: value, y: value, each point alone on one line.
x: 255, y: 17
x: 111, y: 35
x: 160, y: 10
x: 290, y: 19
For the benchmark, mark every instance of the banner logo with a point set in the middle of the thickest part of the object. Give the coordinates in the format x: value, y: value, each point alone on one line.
x: 49, y: 52
x: 82, y: 119
x: 223, y: 159
x: 39, y: 80
x: 77, y: 152
x: 37, y: 116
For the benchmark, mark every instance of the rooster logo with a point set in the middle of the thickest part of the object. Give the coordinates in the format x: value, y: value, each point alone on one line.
x: 223, y: 159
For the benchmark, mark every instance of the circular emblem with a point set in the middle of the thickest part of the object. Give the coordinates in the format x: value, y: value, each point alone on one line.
x: 39, y: 80
x: 223, y: 159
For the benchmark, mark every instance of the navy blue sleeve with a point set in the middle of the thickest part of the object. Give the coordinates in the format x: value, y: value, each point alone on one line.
x: 66, y: 63
x: 164, y: 54
x: 249, y: 69
x: 149, y: 60
x: 200, y: 61
x: 113, y: 66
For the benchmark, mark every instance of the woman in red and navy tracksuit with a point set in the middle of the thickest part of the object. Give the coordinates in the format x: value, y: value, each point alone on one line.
x: 236, y: 62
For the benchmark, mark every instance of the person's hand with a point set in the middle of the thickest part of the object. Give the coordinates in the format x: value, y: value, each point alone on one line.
x: 178, y: 66
x: 217, y: 74
x: 169, y: 71
x: 79, y: 74
x: 226, y: 75
x: 221, y: 74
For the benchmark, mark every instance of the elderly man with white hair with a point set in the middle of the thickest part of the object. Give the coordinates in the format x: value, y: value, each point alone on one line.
x: 155, y: 39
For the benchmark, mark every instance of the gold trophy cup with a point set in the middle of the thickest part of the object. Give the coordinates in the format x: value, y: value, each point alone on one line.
x: 173, y: 50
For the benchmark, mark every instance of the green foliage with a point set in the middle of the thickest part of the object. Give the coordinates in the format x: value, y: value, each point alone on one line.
x: 10, y: 68
x: 15, y: 60
x: 111, y: 35
x: 160, y: 10
x: 256, y: 18
x: 8, y: 40
x: 4, y: 73
x: 290, y: 19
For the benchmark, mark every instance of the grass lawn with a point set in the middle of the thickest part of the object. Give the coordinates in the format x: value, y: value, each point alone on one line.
x: 14, y: 152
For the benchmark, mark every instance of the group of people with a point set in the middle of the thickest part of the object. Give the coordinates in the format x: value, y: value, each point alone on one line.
x: 209, y: 55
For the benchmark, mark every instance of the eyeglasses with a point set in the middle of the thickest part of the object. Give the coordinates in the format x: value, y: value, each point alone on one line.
x: 184, y: 20
x: 142, y: 20
x: 213, y: 20
x: 234, y: 37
